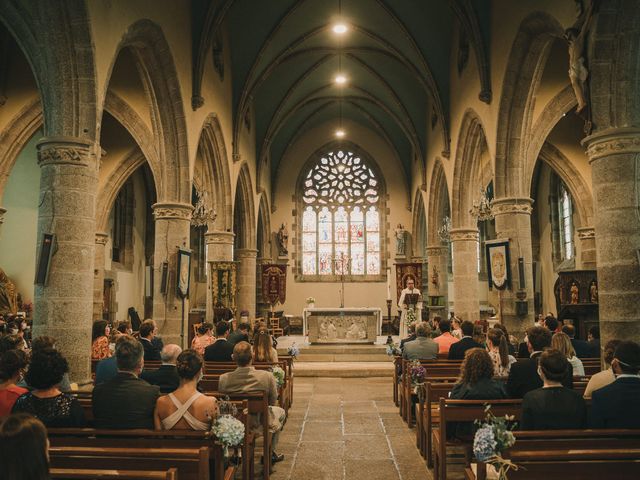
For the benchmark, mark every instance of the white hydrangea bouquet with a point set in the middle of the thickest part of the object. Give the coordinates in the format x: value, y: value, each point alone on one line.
x: 410, y: 317
x: 393, y: 349
x: 293, y: 350
x: 278, y: 373
x: 226, y: 428
x: 493, y: 436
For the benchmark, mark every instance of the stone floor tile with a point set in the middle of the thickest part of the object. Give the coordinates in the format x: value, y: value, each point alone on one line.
x: 366, y: 446
x: 370, y: 470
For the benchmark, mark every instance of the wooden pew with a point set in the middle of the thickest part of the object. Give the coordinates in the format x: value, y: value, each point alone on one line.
x: 191, y: 463
x: 87, y: 474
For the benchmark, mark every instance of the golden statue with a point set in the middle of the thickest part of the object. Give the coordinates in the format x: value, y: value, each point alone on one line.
x: 8, y: 295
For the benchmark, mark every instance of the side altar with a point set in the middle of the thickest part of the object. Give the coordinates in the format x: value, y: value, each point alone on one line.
x: 342, y: 325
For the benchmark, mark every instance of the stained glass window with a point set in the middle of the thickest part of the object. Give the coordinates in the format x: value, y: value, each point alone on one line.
x: 341, y: 217
x: 566, y: 222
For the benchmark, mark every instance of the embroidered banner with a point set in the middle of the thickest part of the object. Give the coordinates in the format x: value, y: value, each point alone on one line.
x: 274, y: 283
x: 498, y: 267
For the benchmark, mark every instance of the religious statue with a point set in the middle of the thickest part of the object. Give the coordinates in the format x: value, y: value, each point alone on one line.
x: 400, y: 240
x: 593, y: 292
x: 574, y: 293
x: 354, y: 332
x: 332, y: 331
x: 410, y: 299
x: 283, y: 240
x: 435, y: 277
x: 8, y: 295
x: 576, y: 38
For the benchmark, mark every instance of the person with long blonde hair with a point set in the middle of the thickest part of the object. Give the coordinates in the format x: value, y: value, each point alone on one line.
x: 561, y: 342
x: 498, y: 349
x: 263, y: 350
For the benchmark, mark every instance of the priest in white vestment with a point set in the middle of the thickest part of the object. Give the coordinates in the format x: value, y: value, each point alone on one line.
x: 410, y: 297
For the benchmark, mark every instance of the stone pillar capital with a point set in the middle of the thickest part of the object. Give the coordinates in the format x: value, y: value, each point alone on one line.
x: 66, y: 151
x: 512, y: 205
x: 246, y: 253
x: 102, y: 238
x: 435, y: 250
x: 218, y: 236
x: 612, y: 141
x: 585, y: 233
x: 464, y: 235
x: 172, y: 211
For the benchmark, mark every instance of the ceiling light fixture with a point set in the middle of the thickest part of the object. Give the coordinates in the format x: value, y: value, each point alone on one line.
x: 340, y: 133
x: 341, y: 79
x: 340, y: 28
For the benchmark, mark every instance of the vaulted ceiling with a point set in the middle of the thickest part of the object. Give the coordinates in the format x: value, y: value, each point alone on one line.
x: 285, y: 56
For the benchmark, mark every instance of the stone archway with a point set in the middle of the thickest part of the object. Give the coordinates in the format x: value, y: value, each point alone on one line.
x: 244, y: 227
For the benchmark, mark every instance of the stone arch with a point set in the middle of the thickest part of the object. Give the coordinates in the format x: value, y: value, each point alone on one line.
x: 158, y: 73
x: 466, y: 170
x: 438, y: 202
x: 525, y: 67
x: 217, y: 180
x: 244, y: 211
x: 263, y: 233
x: 419, y: 239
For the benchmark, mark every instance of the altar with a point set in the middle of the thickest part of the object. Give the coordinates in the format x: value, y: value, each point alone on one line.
x: 342, y: 325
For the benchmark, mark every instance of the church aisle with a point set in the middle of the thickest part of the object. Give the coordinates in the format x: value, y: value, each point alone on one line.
x: 347, y: 428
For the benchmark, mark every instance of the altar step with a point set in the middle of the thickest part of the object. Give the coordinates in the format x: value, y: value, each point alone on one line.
x: 343, y: 369
x: 341, y: 353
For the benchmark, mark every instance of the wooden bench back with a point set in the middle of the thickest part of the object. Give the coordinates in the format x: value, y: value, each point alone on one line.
x: 86, y: 474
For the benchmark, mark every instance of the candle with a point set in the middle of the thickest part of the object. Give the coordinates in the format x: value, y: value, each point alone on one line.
x: 388, y: 284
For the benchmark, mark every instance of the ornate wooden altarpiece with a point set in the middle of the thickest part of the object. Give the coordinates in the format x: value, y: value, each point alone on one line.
x: 223, y: 286
x: 405, y: 271
x: 576, y: 293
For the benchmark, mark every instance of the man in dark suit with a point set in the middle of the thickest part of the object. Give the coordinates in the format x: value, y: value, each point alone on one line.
x: 458, y: 349
x: 148, y: 331
x: 221, y: 350
x: 125, y: 401
x: 523, y: 376
x: 582, y: 348
x: 165, y: 377
x: 241, y: 334
x: 593, y: 338
x: 616, y: 405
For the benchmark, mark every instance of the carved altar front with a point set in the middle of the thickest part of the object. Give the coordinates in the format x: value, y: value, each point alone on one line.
x: 342, y: 325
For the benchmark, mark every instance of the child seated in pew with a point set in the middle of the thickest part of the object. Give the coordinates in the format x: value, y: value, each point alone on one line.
x: 553, y: 407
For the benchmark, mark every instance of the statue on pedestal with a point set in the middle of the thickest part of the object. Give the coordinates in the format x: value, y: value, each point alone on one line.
x: 400, y: 240
x: 283, y: 240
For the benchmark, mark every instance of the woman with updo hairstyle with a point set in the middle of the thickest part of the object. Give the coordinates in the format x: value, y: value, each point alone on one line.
x: 23, y: 448
x: 263, y: 350
x: 605, y: 377
x: 186, y: 408
x: 476, y: 378
x: 554, y: 406
x: 12, y: 366
x: 499, y: 352
x: 53, y: 407
x: 203, y: 338
x: 100, y: 340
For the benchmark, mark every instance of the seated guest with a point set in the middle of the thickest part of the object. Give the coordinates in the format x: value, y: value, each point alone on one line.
x: 12, y: 366
x: 553, y: 407
x: 562, y: 343
x: 581, y: 347
x: 551, y: 323
x: 240, y: 334
x: 445, y: 340
x: 605, y: 377
x: 186, y: 408
x: 125, y: 401
x: 435, y: 326
x: 616, y: 405
x: 476, y: 378
x: 456, y: 329
x: 204, y: 338
x: 523, y: 376
x: 510, y: 339
x: 499, y: 352
x: 165, y: 377
x: 23, y: 448
x: 221, y: 350
x: 458, y: 349
x: 53, y: 407
x: 423, y: 347
x: 263, y: 350
x: 479, y: 335
x: 148, y: 332
x: 11, y: 342
x: 593, y: 339
x: 100, y: 340
x: 246, y: 379
x: 124, y: 328
x: 108, y: 368
x: 411, y: 330
x: 44, y: 342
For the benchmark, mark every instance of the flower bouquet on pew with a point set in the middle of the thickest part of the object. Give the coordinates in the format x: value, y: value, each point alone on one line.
x: 493, y: 436
x: 278, y: 373
x: 393, y: 349
x: 418, y: 374
x: 293, y: 351
x: 226, y: 428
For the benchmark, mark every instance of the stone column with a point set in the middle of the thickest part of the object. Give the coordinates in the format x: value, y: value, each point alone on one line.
x: 614, y: 155
x: 513, y: 222
x: 246, y: 258
x: 464, y: 250
x: 172, y: 232
x: 98, y: 274
x: 438, y: 258
x: 587, y: 237
x: 63, y: 307
x: 219, y: 249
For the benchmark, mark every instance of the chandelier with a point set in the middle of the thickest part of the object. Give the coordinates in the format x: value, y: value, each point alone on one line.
x: 445, y: 229
x: 203, y: 214
x: 482, y: 208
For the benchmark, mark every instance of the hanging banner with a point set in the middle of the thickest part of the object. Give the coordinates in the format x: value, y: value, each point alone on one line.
x: 274, y: 283
x: 498, y: 264
x: 404, y: 271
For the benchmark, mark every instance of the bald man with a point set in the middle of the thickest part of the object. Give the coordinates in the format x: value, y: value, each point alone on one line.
x: 166, y: 377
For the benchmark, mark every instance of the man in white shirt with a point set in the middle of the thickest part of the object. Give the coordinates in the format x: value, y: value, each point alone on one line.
x: 410, y: 297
